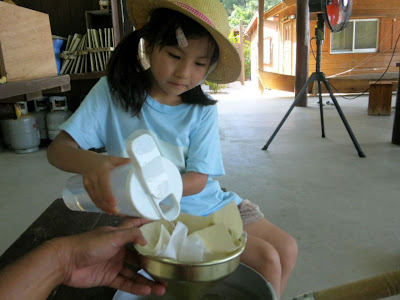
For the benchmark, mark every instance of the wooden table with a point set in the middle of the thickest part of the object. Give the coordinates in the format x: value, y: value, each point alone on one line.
x: 33, y: 89
x: 57, y: 220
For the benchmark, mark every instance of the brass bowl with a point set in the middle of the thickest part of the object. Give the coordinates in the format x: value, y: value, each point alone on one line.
x: 191, y: 280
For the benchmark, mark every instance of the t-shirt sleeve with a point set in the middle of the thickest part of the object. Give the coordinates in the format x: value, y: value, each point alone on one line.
x: 204, y: 155
x: 87, y: 125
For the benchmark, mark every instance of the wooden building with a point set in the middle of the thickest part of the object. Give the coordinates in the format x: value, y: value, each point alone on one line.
x: 362, y: 51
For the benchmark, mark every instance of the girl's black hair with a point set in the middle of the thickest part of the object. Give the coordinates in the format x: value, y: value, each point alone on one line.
x: 129, y: 82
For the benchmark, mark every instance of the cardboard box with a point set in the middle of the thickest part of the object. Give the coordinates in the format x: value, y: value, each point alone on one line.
x: 26, y: 45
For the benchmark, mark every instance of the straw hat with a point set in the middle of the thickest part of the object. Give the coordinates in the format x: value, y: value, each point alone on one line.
x: 211, y: 14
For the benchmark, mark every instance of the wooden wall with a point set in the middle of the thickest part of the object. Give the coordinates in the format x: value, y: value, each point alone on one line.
x: 66, y: 16
x: 389, y: 29
x: 375, y: 62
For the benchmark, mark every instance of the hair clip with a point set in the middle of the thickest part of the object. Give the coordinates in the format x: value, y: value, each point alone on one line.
x: 181, y: 38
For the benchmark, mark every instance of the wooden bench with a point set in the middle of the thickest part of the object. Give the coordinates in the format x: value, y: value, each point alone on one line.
x: 380, y: 98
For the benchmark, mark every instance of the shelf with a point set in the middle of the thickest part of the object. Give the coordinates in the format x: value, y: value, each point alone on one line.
x: 85, y: 76
x: 34, y: 88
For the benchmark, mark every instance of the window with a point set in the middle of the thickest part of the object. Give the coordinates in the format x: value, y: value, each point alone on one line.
x: 358, y: 36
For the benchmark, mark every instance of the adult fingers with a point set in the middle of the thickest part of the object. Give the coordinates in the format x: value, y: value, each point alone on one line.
x: 123, y: 236
x: 138, y: 285
x: 133, y: 222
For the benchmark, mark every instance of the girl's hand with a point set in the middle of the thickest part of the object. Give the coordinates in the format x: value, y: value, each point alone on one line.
x: 97, y: 182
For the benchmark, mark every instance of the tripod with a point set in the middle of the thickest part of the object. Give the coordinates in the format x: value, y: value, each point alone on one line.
x: 318, y: 76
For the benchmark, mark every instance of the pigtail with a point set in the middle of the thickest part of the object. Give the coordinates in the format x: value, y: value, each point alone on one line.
x: 126, y: 75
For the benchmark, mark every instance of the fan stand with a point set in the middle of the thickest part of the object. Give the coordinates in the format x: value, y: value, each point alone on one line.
x: 318, y: 76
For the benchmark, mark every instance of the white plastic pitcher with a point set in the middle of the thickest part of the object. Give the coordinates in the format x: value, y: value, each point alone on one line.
x: 149, y: 187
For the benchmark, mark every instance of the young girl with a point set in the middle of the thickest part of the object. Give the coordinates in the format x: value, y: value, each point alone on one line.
x: 185, y: 43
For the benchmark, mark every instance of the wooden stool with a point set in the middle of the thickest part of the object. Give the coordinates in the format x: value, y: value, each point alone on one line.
x: 380, y: 98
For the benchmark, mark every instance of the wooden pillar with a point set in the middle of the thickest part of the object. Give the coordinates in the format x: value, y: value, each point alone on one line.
x: 116, y: 16
x: 260, y: 41
x: 396, y: 123
x: 241, y: 52
x: 302, y: 48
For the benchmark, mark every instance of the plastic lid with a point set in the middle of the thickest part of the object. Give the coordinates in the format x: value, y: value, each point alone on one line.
x: 159, y: 178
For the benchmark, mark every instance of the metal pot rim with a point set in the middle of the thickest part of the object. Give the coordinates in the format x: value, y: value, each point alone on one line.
x: 229, y: 257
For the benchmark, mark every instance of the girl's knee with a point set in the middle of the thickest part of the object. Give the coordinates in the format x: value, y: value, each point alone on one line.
x: 289, y: 253
x: 263, y: 257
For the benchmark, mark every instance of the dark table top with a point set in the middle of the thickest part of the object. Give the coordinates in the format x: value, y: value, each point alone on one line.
x: 57, y: 220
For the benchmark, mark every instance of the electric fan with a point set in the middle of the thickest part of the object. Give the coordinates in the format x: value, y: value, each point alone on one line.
x: 336, y: 14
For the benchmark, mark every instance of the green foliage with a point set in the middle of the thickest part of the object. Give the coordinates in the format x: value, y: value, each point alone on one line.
x: 240, y: 13
x: 246, y: 51
x: 244, y: 10
x: 215, y: 87
x: 253, y: 4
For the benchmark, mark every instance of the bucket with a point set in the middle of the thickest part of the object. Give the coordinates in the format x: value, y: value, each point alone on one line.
x: 149, y: 187
x: 243, y: 283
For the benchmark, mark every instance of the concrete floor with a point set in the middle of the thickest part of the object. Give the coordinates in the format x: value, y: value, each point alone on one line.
x: 342, y: 209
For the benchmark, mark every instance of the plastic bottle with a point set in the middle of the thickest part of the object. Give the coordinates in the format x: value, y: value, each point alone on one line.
x: 150, y: 186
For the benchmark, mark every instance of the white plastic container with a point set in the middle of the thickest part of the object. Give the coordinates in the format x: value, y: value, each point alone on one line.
x: 149, y: 187
x: 57, y: 116
x: 24, y: 134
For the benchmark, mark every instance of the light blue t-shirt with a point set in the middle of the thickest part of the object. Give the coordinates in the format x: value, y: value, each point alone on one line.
x: 186, y: 134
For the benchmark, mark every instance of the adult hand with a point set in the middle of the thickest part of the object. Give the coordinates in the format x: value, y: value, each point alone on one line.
x: 97, y: 182
x: 98, y: 258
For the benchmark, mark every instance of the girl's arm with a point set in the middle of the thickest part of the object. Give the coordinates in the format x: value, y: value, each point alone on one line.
x: 193, y: 183
x: 65, y: 154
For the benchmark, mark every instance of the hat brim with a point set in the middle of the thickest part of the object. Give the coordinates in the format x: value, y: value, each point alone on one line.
x: 229, y: 65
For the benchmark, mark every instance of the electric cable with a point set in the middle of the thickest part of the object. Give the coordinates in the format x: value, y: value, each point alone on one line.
x: 380, y: 78
x: 372, y: 55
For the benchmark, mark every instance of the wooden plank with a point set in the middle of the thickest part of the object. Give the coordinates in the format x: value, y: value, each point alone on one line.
x: 11, y: 89
x: 26, y: 43
x: 56, y: 221
x: 348, y: 85
x: 380, y: 98
x: 277, y: 81
x: 58, y: 89
x: 33, y: 95
x: 343, y: 86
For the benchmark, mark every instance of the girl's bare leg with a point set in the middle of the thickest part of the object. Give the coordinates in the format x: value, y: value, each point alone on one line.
x: 270, y: 251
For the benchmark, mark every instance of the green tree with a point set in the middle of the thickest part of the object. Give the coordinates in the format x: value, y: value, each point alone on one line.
x: 240, y: 13
x: 246, y: 52
x: 271, y: 3
x: 229, y: 4
x: 244, y: 13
